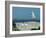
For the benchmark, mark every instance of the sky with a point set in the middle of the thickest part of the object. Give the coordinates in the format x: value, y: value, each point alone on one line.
x: 25, y: 13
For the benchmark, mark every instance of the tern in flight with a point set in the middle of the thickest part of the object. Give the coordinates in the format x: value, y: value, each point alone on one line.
x: 33, y: 15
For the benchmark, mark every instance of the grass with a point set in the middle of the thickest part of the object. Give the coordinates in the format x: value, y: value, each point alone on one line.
x: 33, y: 26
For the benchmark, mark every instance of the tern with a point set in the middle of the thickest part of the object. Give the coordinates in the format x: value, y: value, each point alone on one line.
x: 33, y: 15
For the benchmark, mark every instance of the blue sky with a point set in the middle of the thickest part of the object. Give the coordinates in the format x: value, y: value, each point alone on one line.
x: 20, y: 13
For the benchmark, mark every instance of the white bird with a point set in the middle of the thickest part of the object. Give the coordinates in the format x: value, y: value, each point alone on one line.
x: 33, y: 15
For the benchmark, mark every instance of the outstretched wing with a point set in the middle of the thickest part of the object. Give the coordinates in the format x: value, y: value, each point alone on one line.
x: 33, y: 15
